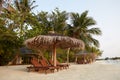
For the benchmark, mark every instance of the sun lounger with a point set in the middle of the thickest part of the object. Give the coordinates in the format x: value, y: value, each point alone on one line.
x: 60, y: 66
x: 35, y: 65
x: 65, y: 65
x: 50, y: 67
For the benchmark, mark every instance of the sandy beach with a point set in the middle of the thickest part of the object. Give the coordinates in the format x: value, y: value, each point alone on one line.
x: 94, y: 71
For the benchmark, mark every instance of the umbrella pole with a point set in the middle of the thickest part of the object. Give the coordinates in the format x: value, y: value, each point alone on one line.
x: 68, y: 52
x: 54, y: 54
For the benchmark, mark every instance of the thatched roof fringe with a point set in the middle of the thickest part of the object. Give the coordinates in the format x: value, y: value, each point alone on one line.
x: 46, y: 41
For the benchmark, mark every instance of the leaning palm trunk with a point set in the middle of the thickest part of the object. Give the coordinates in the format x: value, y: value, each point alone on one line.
x: 1, y: 2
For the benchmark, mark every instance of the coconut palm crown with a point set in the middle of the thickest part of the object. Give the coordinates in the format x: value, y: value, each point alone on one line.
x: 82, y: 28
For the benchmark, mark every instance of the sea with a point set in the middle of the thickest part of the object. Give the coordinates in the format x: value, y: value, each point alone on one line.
x: 112, y: 61
x: 108, y: 61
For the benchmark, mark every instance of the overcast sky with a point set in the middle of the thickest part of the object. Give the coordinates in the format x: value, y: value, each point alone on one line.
x: 105, y: 12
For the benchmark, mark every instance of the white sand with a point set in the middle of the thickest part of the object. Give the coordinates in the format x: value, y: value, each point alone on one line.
x: 95, y: 71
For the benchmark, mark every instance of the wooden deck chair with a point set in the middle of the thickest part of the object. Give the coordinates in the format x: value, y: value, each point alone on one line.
x: 60, y: 66
x: 65, y: 65
x: 35, y: 65
x: 45, y: 64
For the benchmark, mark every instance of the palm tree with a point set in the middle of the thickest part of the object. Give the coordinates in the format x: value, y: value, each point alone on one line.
x: 56, y: 21
x: 82, y: 28
x: 14, y: 19
x: 4, y: 3
x: 19, y: 16
x: 95, y: 51
x: 44, y: 23
x: 9, y: 42
x: 1, y: 2
x: 24, y: 8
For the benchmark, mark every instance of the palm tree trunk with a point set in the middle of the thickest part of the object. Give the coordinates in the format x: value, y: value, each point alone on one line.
x: 1, y: 2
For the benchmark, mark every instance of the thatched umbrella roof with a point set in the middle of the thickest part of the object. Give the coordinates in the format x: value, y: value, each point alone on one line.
x: 47, y: 42
x: 53, y: 41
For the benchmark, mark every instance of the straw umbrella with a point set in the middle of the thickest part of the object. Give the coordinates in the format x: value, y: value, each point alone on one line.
x: 53, y: 41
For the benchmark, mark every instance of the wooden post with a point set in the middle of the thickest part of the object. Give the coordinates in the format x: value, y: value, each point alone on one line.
x: 76, y: 57
x: 68, y: 51
x: 54, y: 54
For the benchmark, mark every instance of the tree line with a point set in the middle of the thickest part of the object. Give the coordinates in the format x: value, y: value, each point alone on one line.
x: 18, y: 22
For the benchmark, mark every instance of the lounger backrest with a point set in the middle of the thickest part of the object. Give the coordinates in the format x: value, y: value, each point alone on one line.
x: 44, y: 63
x: 57, y: 62
x: 51, y: 62
x: 35, y: 63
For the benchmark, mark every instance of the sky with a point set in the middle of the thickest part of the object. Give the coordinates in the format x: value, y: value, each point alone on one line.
x: 105, y: 12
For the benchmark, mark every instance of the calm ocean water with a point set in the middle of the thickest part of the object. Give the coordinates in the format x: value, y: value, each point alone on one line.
x: 112, y: 61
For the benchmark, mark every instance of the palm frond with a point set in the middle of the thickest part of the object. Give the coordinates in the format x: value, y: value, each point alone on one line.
x: 95, y: 31
x: 95, y: 42
x: 17, y: 5
x: 89, y: 21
